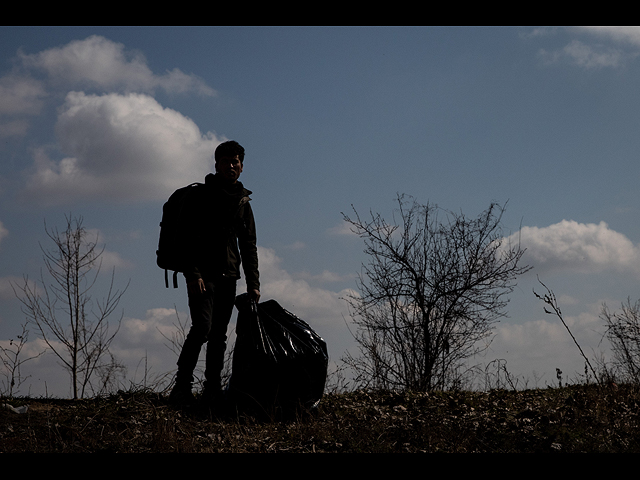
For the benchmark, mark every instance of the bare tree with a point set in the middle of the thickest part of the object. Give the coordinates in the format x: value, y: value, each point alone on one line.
x: 12, y: 361
x: 623, y: 332
x: 433, y: 286
x: 72, y: 325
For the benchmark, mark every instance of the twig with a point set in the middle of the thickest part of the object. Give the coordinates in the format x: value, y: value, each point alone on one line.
x: 550, y: 299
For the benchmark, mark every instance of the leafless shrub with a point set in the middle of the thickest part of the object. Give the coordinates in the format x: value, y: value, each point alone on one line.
x: 623, y: 332
x: 434, y: 285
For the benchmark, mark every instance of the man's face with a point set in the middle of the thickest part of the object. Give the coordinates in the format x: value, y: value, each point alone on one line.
x: 230, y: 168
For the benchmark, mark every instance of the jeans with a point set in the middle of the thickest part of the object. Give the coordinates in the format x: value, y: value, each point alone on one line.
x: 210, y: 315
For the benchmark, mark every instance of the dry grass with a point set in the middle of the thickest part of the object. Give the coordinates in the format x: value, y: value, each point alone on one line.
x: 580, y: 418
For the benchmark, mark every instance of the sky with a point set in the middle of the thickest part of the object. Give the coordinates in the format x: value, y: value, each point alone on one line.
x: 105, y: 123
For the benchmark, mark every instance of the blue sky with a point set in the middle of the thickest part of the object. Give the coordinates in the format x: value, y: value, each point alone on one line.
x: 107, y: 122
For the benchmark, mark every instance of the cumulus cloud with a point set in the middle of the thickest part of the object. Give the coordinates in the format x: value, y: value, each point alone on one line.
x: 120, y: 147
x: 573, y: 246
x: 118, y: 144
x: 102, y: 63
x: 95, y: 63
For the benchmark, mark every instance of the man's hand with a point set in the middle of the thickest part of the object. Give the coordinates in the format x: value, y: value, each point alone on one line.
x: 254, y: 294
x: 196, y: 286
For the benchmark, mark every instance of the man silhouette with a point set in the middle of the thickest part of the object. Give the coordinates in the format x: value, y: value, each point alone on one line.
x: 222, y: 237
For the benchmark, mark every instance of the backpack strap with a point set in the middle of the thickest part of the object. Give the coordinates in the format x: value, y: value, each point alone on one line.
x: 166, y: 279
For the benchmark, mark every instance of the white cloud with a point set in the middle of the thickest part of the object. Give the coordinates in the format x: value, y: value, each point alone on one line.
x: 595, y: 50
x: 316, y: 305
x: 323, y: 309
x: 99, y: 62
x: 592, y: 57
x: 580, y: 247
x: 110, y: 260
x: 116, y: 146
x: 297, y: 245
x: 144, y: 344
x: 585, y: 56
x: 622, y: 34
x: 92, y: 63
x: 159, y: 324
x: 120, y: 147
x: 342, y: 229
x: 325, y: 277
x: 3, y: 232
x: 20, y: 95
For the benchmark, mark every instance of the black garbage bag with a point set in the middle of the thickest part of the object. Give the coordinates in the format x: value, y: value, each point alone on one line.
x: 279, y: 365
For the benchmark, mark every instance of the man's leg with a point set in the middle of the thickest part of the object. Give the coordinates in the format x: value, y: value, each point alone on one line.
x: 224, y: 295
x: 200, y: 309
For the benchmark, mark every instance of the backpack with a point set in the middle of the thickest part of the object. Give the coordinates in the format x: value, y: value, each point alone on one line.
x: 172, y: 248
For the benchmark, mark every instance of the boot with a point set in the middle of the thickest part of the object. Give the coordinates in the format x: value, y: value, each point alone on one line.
x: 181, y: 395
x: 213, y: 398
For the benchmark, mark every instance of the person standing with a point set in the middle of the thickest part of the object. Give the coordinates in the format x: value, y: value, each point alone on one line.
x: 221, y: 236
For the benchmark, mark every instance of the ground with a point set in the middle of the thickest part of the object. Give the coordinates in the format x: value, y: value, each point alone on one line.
x: 579, y: 418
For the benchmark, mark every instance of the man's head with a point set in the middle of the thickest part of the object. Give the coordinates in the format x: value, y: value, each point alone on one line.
x: 229, y: 158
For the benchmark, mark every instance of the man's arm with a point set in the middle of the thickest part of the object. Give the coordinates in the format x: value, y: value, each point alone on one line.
x: 247, y: 241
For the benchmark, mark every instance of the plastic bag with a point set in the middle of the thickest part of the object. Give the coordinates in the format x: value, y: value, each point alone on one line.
x: 279, y: 364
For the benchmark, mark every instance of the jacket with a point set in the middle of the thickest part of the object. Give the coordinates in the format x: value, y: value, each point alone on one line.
x: 222, y: 230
